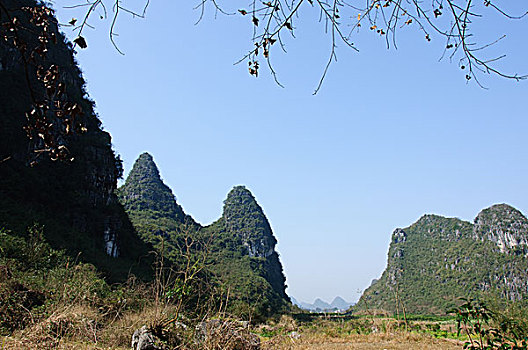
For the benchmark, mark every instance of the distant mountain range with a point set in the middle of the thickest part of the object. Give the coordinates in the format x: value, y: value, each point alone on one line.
x: 338, y: 304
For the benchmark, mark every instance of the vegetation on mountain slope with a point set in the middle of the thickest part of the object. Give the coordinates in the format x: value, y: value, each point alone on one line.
x: 238, y: 250
x: 74, y: 198
x: 437, y: 260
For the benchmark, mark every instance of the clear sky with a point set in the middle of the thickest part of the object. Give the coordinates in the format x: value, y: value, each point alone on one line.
x: 392, y: 135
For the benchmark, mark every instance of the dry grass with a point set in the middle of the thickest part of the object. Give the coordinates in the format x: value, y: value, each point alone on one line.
x: 25, y: 344
x: 119, y: 331
x: 359, y: 342
x: 364, y: 342
x: 80, y: 327
x: 366, y: 333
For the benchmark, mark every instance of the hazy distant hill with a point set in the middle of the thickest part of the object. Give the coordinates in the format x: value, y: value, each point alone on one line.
x: 240, y: 245
x: 320, y: 305
x: 437, y: 260
x: 340, y: 303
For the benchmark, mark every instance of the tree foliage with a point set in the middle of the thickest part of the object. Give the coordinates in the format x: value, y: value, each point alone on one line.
x: 29, y: 28
x: 272, y: 22
x: 489, y: 329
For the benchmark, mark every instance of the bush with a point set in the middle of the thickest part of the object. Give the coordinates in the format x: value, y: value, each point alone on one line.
x: 488, y: 329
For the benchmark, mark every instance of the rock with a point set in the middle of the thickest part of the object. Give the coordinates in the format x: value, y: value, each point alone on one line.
x: 505, y: 226
x: 295, y: 335
x: 144, y: 339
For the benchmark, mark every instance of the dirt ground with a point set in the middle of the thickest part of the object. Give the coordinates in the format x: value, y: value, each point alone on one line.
x: 303, y: 342
x: 362, y: 342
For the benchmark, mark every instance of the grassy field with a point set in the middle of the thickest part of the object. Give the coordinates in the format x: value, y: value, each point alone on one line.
x: 366, y: 342
x: 288, y: 333
x: 374, y: 342
x: 304, y: 342
x: 316, y: 332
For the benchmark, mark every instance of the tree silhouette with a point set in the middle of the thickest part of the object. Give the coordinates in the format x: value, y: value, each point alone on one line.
x: 270, y: 21
x: 27, y: 27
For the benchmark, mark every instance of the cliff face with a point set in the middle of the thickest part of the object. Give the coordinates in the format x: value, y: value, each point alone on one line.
x: 240, y: 245
x: 437, y: 260
x: 73, y: 197
x: 244, y: 219
x: 151, y: 204
x: 144, y: 190
x: 505, y: 226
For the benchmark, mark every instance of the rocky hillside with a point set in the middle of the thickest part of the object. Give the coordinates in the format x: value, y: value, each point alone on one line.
x: 240, y: 245
x: 244, y: 220
x: 505, y: 226
x: 437, y: 260
x: 63, y: 175
x: 151, y: 204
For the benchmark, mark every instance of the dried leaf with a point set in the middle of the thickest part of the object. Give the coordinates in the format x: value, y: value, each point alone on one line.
x: 81, y: 42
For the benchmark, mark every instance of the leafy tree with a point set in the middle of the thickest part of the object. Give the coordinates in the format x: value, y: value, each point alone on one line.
x: 488, y: 329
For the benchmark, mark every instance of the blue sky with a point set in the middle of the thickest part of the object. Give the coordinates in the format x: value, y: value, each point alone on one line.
x: 392, y: 135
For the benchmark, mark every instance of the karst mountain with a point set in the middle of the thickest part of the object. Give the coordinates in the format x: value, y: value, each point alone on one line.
x: 240, y: 244
x: 437, y: 260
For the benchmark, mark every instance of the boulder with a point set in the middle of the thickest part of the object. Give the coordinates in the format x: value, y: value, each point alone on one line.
x: 144, y: 339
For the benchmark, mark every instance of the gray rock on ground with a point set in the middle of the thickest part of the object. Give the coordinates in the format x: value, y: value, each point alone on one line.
x: 143, y: 339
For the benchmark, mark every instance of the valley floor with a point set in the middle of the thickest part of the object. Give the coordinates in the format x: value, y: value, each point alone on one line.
x: 356, y: 342
x: 365, y: 342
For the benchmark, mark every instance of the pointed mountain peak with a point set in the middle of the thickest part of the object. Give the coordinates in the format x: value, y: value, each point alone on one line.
x: 321, y: 304
x: 245, y: 218
x: 145, y: 190
x: 144, y: 169
x: 239, y: 195
x: 146, y: 157
x: 338, y: 299
x: 340, y: 303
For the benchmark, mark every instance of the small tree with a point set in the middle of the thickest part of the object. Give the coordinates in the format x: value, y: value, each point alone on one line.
x: 486, y: 329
